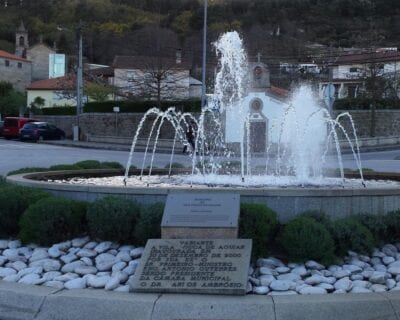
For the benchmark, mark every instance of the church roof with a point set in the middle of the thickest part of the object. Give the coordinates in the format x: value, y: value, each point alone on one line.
x: 10, y: 56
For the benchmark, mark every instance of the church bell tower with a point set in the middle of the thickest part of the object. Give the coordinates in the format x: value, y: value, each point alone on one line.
x: 21, y: 41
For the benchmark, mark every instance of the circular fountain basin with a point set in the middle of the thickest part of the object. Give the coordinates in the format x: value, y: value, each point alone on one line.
x: 378, y: 196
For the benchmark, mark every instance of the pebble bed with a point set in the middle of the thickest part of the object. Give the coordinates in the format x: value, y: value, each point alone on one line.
x: 82, y: 263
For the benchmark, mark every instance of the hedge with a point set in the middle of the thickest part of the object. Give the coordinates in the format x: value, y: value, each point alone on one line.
x: 52, y: 220
x: 257, y: 222
x: 113, y: 218
x: 365, y: 103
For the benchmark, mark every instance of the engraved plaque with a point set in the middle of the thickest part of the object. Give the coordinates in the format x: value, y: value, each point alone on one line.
x: 194, y: 266
x: 201, y: 210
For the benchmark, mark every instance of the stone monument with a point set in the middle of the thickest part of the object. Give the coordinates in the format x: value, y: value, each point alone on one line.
x: 199, y: 252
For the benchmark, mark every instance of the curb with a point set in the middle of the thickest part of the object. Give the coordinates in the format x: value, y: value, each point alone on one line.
x: 123, y: 147
x: 23, y: 302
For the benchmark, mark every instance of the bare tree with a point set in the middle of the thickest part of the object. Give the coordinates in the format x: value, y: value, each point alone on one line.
x: 378, y: 85
x: 158, y: 71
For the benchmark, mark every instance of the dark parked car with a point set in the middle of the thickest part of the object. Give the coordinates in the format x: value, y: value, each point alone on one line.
x: 1, y: 127
x: 40, y: 131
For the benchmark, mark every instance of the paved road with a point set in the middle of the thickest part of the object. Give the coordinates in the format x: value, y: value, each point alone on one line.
x: 15, y: 155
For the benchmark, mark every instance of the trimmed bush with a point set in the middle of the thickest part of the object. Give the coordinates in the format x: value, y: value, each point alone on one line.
x: 14, y: 200
x: 317, y: 215
x: 88, y: 164
x: 64, y: 167
x: 376, y: 224
x: 392, y: 222
x: 257, y: 222
x: 113, y: 218
x: 27, y: 170
x: 57, y: 111
x: 149, y: 225
x: 349, y: 234
x: 304, y: 238
x: 52, y: 220
x: 111, y: 165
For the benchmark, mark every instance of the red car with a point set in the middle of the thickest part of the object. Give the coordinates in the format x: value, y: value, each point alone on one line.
x: 12, y: 125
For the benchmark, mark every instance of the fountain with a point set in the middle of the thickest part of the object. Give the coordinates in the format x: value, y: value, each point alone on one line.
x: 286, y: 170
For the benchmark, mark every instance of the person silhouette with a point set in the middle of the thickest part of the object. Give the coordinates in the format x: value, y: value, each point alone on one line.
x: 190, y: 137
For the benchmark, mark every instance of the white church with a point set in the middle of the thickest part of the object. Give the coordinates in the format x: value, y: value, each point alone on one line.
x: 264, y: 105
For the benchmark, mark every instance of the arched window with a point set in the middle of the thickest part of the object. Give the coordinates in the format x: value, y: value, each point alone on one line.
x: 256, y: 105
x: 21, y: 41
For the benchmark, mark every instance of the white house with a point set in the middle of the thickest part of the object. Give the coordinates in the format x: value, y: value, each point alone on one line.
x: 350, y: 71
x: 147, y: 77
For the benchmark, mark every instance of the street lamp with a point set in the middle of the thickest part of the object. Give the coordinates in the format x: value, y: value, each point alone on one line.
x: 79, y: 83
x: 79, y: 78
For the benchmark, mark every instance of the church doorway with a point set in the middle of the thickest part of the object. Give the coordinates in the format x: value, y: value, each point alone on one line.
x: 258, y: 136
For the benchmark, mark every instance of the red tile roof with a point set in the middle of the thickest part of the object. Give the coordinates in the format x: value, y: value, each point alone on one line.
x: 62, y: 83
x: 279, y: 91
x: 7, y: 55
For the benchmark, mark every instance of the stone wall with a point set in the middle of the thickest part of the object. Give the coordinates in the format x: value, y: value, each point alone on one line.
x: 125, y: 124
x: 387, y: 123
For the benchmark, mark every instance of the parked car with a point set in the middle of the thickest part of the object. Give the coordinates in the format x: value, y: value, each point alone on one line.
x: 1, y: 128
x: 40, y: 131
x: 12, y: 125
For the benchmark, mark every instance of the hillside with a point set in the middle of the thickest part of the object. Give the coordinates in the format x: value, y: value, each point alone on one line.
x: 276, y: 28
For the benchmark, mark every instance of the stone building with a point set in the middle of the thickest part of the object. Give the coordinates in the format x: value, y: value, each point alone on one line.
x: 16, y: 70
x: 39, y: 53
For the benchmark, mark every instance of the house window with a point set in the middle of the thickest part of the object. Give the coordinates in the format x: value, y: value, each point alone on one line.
x: 7, y: 63
x: 19, y: 65
x: 21, y: 41
x: 353, y: 69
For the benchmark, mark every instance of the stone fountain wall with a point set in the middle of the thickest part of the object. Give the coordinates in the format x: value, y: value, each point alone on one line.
x: 125, y: 124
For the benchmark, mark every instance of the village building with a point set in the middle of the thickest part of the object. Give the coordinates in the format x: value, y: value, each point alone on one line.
x: 15, y: 70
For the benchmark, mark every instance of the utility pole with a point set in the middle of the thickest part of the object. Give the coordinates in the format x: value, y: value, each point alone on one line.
x: 79, y: 82
x: 203, y: 77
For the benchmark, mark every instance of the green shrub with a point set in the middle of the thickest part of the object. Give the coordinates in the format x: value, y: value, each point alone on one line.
x: 111, y: 165
x: 3, y: 182
x: 257, y: 222
x: 52, y: 220
x: 376, y: 224
x: 317, y: 215
x: 113, y: 218
x: 175, y: 165
x: 392, y: 222
x: 14, y: 200
x: 349, y: 234
x: 88, y: 164
x: 149, y: 225
x: 27, y: 170
x: 64, y: 167
x: 304, y: 238
x: 68, y: 111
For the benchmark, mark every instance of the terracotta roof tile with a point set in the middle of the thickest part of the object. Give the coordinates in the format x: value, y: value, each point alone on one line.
x: 62, y: 83
x: 7, y: 55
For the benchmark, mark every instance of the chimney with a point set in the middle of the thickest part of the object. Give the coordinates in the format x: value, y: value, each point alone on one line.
x: 178, y: 56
